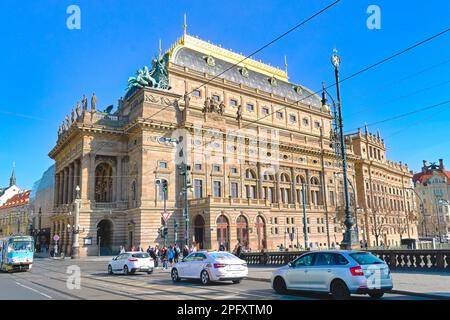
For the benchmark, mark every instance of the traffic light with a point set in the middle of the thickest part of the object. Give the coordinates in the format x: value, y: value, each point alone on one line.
x: 165, y: 231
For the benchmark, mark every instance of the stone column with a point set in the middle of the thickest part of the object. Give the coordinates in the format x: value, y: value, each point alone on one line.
x: 308, y: 198
x: 91, y: 177
x: 278, y: 189
x: 64, y: 187
x: 293, y: 186
x: 119, y: 179
x: 259, y: 180
x: 70, y: 184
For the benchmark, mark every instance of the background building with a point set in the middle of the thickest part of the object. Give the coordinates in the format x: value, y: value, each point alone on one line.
x: 14, y: 215
x: 41, y: 208
x: 432, y: 185
x: 254, y: 141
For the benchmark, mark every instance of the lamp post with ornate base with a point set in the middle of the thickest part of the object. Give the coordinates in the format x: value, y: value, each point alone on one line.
x: 349, y: 242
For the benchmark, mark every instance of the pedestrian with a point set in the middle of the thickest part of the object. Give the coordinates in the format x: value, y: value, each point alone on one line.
x: 177, y: 252
x: 164, y: 257
x: 171, y: 255
x: 238, y: 250
x: 221, y: 247
x: 157, y: 254
x: 122, y: 249
x: 193, y: 248
x: 185, y: 251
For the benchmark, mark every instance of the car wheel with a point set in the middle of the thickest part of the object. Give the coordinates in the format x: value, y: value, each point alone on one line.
x: 150, y: 271
x: 125, y: 270
x: 339, y: 290
x: 236, y: 281
x: 110, y: 271
x: 279, y: 285
x: 204, y: 277
x: 174, y: 275
x: 376, y: 295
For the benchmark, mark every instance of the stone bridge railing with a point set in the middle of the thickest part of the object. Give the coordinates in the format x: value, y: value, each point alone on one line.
x: 425, y: 260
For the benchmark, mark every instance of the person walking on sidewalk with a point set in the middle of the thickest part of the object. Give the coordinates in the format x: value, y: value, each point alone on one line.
x: 177, y: 252
x: 185, y: 251
x: 164, y: 257
x: 171, y: 255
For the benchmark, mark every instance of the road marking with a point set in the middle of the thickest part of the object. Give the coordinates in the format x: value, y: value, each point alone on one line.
x: 34, y: 290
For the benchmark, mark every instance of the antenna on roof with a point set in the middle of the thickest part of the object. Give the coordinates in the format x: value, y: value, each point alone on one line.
x: 185, y: 25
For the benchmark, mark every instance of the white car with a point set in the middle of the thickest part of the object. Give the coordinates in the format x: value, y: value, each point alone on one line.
x: 210, y: 266
x: 131, y: 262
x: 339, y: 272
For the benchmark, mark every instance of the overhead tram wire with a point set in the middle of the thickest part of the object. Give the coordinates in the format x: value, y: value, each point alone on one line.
x: 253, y: 53
x: 357, y: 73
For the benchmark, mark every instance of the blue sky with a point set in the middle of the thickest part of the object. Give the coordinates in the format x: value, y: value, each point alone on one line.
x: 45, y: 67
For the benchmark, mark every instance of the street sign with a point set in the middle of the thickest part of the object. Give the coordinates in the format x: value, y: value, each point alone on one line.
x: 166, y: 215
x: 55, y: 237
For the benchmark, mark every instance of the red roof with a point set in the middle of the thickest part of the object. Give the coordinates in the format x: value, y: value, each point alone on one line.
x: 17, y: 200
x: 423, y: 177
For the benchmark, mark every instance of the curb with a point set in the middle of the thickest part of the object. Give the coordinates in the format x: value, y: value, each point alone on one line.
x: 407, y: 293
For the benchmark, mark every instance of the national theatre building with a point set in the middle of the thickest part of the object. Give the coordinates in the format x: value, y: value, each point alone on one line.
x: 260, y: 162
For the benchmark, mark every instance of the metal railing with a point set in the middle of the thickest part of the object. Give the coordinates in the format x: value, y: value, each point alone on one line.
x: 423, y: 260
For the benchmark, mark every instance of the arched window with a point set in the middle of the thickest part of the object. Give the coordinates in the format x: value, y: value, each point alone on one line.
x: 250, y: 174
x: 314, y: 181
x: 284, y: 177
x: 268, y: 177
x: 300, y: 179
x: 103, y: 182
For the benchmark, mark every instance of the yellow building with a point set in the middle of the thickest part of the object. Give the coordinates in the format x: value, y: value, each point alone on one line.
x: 253, y: 140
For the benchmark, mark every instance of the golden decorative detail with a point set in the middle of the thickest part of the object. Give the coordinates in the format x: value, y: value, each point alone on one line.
x: 206, y: 48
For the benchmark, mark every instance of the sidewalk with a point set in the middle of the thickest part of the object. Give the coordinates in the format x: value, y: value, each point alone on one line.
x: 426, y: 284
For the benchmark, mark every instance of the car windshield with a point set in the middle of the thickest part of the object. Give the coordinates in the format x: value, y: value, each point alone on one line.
x: 223, y: 256
x: 364, y: 258
x: 142, y: 255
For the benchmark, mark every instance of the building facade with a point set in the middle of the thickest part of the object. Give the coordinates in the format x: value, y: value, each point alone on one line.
x: 256, y: 145
x: 432, y: 185
x: 386, y: 206
x: 14, y: 215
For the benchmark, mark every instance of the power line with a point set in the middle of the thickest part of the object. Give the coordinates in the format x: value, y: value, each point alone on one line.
x: 360, y: 71
x: 403, y: 115
x: 255, y: 52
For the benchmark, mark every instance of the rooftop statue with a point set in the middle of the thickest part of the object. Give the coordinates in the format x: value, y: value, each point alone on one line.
x: 78, y: 110
x: 84, y: 103
x: 94, y: 103
x: 157, y: 77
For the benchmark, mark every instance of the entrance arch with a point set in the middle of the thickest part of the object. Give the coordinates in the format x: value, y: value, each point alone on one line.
x: 261, y: 233
x: 199, y: 231
x: 242, y: 230
x: 223, y: 232
x: 103, y: 182
x: 105, y: 237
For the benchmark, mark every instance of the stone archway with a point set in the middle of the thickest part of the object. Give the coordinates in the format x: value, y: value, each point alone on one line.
x: 199, y: 231
x: 105, y: 237
x: 223, y: 232
x: 260, y: 226
x: 242, y: 230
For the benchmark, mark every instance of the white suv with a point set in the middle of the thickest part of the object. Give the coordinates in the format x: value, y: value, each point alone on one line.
x: 131, y: 262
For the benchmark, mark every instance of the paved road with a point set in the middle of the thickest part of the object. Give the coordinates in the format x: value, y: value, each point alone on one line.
x: 48, y: 280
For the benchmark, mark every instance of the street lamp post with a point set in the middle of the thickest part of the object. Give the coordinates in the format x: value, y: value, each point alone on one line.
x: 347, y: 242
x: 76, y: 227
